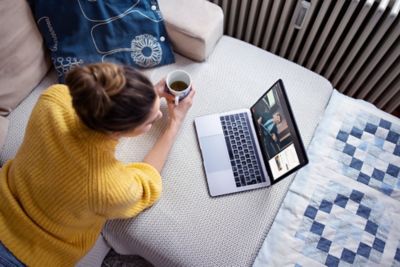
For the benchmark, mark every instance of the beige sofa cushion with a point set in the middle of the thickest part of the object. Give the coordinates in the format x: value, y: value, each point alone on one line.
x: 23, y: 63
x: 194, y: 27
x: 3, y: 131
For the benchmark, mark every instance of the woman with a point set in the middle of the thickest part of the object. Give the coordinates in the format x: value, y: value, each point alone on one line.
x: 65, y: 182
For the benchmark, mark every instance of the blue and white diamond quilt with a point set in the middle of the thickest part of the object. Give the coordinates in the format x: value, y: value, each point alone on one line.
x: 343, y: 208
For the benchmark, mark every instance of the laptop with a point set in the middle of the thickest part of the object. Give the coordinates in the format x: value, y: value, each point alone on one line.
x: 251, y: 148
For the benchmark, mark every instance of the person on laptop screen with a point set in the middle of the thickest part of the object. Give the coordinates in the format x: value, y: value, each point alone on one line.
x: 273, y: 126
x: 268, y: 125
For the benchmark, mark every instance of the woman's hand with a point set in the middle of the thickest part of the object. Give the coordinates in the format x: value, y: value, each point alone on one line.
x: 161, y: 90
x: 159, y: 153
x: 177, y: 113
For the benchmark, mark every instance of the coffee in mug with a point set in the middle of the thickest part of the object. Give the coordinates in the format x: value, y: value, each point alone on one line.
x: 179, y: 84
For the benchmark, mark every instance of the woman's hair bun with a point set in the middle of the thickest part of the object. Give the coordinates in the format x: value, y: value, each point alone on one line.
x: 95, y: 84
x: 109, y: 77
x: 110, y: 97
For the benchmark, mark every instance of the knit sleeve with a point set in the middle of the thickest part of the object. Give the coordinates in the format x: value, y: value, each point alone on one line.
x: 128, y: 191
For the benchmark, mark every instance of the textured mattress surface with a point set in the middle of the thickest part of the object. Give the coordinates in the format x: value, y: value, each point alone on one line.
x: 187, y: 227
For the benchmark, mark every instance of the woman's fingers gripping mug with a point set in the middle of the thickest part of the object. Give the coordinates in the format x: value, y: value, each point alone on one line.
x: 179, y: 84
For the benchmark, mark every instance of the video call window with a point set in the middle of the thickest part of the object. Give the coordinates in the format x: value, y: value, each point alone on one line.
x: 274, y: 134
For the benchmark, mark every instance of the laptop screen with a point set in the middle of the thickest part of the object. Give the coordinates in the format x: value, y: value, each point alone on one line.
x: 280, y: 141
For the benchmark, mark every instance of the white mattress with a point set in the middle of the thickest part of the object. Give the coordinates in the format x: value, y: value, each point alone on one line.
x: 187, y: 227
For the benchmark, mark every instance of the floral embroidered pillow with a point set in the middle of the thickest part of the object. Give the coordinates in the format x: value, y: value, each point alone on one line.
x: 78, y: 32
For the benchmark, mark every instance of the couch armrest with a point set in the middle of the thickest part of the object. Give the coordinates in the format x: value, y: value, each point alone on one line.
x: 194, y: 27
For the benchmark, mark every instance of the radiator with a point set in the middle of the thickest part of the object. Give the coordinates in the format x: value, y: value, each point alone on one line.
x: 354, y: 44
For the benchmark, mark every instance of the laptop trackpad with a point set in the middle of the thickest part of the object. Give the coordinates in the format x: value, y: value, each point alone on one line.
x: 215, y: 153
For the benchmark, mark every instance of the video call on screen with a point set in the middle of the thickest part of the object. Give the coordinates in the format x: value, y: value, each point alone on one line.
x: 275, y: 132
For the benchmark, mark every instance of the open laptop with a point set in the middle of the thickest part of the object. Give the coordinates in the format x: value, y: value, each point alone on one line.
x: 251, y: 148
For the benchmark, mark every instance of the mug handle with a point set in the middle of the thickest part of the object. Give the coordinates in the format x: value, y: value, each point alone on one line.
x: 176, y: 100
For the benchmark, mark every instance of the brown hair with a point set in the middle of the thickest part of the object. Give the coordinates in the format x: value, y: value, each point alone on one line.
x: 109, y: 97
x: 279, y: 115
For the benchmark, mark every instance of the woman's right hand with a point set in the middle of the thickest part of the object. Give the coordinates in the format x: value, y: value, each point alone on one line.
x: 178, y: 113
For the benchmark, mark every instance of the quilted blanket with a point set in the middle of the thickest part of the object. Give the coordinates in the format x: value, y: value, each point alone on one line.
x: 343, y: 208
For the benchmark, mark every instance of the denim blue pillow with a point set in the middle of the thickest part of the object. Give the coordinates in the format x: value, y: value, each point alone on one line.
x: 78, y: 32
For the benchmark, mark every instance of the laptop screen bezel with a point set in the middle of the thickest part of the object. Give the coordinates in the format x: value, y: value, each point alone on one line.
x: 303, y: 159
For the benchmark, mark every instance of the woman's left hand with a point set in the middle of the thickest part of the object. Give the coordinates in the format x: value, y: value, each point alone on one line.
x: 161, y: 90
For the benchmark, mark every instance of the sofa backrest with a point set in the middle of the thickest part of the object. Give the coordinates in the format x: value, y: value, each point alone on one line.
x: 23, y: 60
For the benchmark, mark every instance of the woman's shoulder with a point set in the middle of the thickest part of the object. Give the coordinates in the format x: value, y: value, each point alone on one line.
x: 57, y: 92
x: 55, y: 103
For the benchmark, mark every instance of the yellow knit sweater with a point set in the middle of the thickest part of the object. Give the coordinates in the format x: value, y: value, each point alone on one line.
x: 64, y: 183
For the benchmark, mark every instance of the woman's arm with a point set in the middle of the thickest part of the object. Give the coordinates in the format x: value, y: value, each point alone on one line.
x: 157, y: 156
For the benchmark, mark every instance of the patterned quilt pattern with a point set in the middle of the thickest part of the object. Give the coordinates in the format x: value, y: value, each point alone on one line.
x: 343, y: 209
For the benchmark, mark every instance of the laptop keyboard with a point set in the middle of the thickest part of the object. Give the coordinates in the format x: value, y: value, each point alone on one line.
x: 240, y: 142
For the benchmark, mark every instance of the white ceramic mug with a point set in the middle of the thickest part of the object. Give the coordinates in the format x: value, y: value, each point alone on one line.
x: 181, y: 76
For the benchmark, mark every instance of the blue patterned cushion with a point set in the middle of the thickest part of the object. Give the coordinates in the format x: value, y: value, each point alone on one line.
x: 85, y: 31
